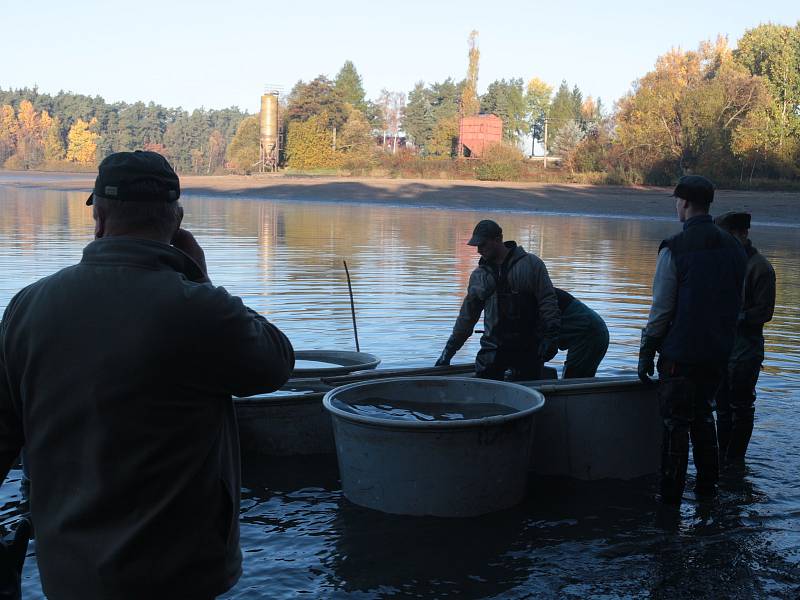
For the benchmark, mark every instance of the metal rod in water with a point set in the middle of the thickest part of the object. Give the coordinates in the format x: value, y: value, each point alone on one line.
x: 352, y: 306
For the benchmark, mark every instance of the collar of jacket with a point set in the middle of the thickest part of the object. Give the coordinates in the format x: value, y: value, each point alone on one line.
x: 697, y: 220
x: 513, y: 250
x: 749, y: 248
x: 147, y: 254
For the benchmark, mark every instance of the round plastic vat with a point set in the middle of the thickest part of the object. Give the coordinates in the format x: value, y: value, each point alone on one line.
x: 327, y: 363
x: 442, y: 446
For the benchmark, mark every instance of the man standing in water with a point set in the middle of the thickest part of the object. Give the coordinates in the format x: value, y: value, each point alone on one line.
x: 692, y: 324
x: 116, y: 374
x: 521, y: 317
x: 737, y: 394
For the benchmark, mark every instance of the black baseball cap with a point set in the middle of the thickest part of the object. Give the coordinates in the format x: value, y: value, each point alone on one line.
x: 695, y: 188
x: 737, y: 221
x: 485, y: 230
x: 136, y: 176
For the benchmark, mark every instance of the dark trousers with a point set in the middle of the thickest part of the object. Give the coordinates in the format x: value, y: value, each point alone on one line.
x: 686, y: 398
x: 736, y: 399
x: 523, y: 364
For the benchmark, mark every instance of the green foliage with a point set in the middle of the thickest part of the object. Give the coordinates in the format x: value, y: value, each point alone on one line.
x: 349, y: 87
x: 507, y: 100
x: 316, y: 98
x: 431, y: 117
x: 419, y: 120
x: 244, y: 151
x: 309, y: 145
x: 501, y: 162
x: 565, y: 108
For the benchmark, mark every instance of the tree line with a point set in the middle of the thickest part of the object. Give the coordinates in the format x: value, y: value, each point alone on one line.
x: 68, y: 130
x: 731, y: 113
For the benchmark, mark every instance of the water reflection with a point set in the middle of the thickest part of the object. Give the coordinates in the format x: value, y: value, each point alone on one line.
x: 410, y: 268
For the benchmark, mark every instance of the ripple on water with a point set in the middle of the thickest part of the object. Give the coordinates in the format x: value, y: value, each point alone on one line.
x: 409, y: 270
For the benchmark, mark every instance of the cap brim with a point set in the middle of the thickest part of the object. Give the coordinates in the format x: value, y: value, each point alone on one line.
x: 476, y: 240
x: 90, y: 200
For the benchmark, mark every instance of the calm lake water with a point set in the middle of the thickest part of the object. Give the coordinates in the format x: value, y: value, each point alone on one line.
x: 409, y: 269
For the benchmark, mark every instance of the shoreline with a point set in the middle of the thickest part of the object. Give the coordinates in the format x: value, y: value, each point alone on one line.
x: 767, y: 208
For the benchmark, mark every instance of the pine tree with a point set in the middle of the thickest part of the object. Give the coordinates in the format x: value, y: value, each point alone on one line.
x: 349, y: 86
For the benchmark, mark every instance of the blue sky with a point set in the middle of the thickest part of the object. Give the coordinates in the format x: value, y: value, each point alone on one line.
x: 218, y: 54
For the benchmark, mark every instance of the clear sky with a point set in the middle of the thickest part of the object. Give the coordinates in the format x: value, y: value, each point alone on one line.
x: 217, y: 54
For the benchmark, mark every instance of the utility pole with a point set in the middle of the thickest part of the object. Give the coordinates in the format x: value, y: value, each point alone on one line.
x: 545, y: 142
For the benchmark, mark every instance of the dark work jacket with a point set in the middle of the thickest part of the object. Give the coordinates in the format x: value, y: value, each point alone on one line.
x: 564, y: 299
x: 710, y: 265
x: 518, y: 302
x: 758, y: 306
x: 117, y: 375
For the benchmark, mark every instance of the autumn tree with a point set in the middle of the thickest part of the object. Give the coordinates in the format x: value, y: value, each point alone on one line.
x: 309, y: 145
x: 216, y: 151
x: 538, y: 96
x: 53, y: 143
x: 9, y: 128
x: 470, y: 104
x: 681, y: 117
x: 82, y: 142
x: 356, y: 143
x: 244, y: 151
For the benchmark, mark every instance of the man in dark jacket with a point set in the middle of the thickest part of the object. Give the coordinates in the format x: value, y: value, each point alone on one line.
x: 583, y: 335
x: 692, y: 324
x: 737, y: 393
x: 116, y: 374
x: 521, y: 319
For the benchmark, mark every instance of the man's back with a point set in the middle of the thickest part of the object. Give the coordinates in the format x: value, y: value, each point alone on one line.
x: 122, y: 370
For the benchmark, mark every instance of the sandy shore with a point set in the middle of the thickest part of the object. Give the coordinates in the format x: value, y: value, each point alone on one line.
x: 781, y: 208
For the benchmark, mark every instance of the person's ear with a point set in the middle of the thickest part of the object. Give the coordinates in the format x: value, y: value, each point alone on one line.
x: 179, y: 215
x: 99, y: 216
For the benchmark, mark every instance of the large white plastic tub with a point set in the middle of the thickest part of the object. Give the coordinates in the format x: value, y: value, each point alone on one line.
x: 454, y: 468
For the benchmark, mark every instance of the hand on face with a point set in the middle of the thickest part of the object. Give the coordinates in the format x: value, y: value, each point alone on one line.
x: 185, y: 241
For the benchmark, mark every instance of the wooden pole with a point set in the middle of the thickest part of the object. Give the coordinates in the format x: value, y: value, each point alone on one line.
x: 352, y: 306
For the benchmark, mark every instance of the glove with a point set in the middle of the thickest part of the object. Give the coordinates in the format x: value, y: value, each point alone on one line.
x: 647, y: 357
x: 12, y: 556
x: 548, y: 348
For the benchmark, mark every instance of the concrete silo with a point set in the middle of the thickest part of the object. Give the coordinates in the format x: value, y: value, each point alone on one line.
x: 270, y: 134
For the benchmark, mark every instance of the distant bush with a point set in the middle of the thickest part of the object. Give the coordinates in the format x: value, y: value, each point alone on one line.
x: 500, y: 163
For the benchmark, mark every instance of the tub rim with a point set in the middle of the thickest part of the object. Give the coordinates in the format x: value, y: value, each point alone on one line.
x: 327, y: 402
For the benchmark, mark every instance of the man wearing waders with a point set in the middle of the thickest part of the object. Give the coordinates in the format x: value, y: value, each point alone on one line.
x: 521, y: 319
x: 737, y: 393
x: 692, y: 325
x: 583, y: 335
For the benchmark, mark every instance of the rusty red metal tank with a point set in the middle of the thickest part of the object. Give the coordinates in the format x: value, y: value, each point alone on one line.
x: 476, y: 134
